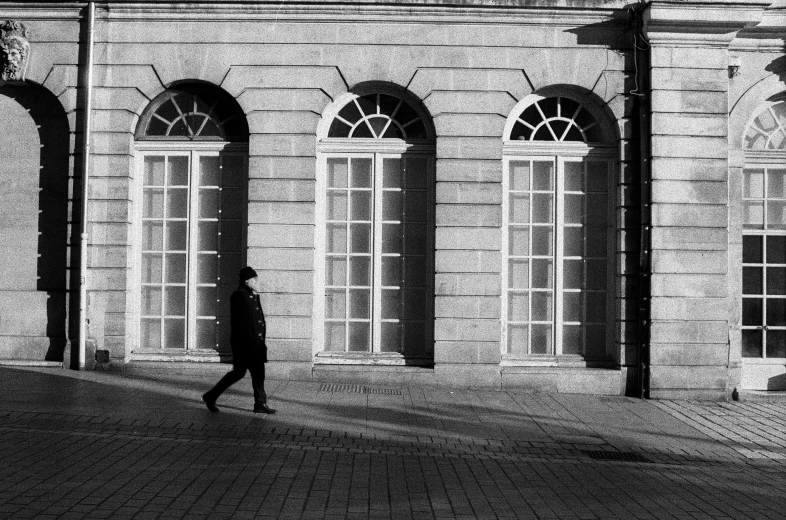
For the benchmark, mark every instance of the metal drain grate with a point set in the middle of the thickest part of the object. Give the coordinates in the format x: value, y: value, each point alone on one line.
x: 358, y: 389
x: 621, y: 456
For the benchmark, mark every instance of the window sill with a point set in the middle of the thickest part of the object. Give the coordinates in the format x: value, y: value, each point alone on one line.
x: 364, y: 358
x: 557, y: 361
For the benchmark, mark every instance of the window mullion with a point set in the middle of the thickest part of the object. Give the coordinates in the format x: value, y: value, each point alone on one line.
x: 192, y: 227
x: 559, y: 207
x: 376, y: 256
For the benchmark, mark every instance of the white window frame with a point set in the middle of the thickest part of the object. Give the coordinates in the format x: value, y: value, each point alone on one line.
x: 559, y: 153
x: 378, y: 149
x: 192, y: 149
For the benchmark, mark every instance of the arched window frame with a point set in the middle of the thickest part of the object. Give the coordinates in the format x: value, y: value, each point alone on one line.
x: 560, y: 152
x: 379, y: 149
x: 760, y: 170
x: 196, y: 153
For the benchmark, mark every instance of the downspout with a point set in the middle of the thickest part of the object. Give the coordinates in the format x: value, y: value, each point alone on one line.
x: 91, y: 9
x: 642, y: 93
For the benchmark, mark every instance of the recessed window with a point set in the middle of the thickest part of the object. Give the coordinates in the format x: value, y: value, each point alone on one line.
x: 768, y: 130
x: 556, y: 119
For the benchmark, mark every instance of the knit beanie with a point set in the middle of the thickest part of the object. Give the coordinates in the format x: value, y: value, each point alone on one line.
x: 247, y: 273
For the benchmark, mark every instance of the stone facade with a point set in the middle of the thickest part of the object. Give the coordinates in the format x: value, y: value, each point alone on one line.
x: 672, y: 84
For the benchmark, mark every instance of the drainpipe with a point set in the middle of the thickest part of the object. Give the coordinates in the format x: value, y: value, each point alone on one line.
x: 642, y: 93
x: 91, y: 9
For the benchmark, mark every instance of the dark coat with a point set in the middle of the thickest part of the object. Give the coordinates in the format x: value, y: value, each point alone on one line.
x: 247, y: 321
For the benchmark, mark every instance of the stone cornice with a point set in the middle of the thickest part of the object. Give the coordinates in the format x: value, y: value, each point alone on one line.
x: 700, y: 23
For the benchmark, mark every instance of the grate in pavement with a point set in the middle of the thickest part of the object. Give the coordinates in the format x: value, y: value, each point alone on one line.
x: 358, y: 389
x: 623, y: 456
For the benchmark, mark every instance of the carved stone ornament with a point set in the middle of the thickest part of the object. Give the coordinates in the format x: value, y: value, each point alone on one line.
x: 14, y: 50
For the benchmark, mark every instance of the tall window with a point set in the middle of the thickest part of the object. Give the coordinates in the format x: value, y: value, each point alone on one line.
x: 558, y: 223
x: 377, y: 173
x: 193, y: 170
x: 764, y: 235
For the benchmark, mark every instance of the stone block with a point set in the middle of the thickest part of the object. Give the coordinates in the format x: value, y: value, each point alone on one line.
x: 242, y: 77
x: 279, y: 213
x: 119, y: 98
x: 690, y: 215
x: 689, y: 285
x: 109, y: 211
x: 689, y: 146
x: 111, y: 165
x: 112, y: 143
x: 467, y: 307
x: 469, y: 170
x: 459, y: 102
x: 287, y: 282
x: 468, y: 238
x: 276, y: 304
x: 26, y: 348
x: 469, y: 148
x: 464, y: 215
x: 689, y: 354
x: 684, y: 332
x: 763, y: 376
x: 109, y: 188
x: 690, y: 57
x: 692, y: 239
x: 462, y: 352
x: 467, y: 284
x: 283, y: 190
x: 28, y: 313
x: 281, y: 235
x: 477, y: 80
x: 459, y: 329
x: 679, y: 124
x: 463, y: 261
x: 283, y: 327
x: 108, y: 255
x: 693, y: 78
x: 115, y: 324
x: 670, y: 168
x: 289, y: 145
x: 108, y: 233
x: 703, y: 378
x: 690, y: 102
x: 467, y: 375
x: 107, y: 278
x: 313, y: 100
x: 114, y: 121
x: 276, y: 167
x: 123, y: 75
x: 469, y: 193
x: 700, y: 262
x: 281, y: 349
x: 265, y: 258
x: 702, y: 309
x: 463, y: 125
x: 283, y: 122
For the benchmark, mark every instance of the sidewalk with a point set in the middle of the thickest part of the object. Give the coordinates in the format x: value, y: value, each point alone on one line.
x: 105, y: 445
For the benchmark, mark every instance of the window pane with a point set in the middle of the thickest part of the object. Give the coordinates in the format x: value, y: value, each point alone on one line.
x: 519, y: 241
x: 361, y: 238
x: 752, y: 249
x: 596, y: 274
x: 776, y: 344
x: 176, y: 235
x: 359, y: 337
x: 360, y: 202
x: 415, y: 172
x: 391, y: 205
x: 542, y: 273
x: 209, y: 171
x: 208, y: 203
x: 337, y: 205
x: 233, y: 170
x: 595, y: 341
x: 207, y: 268
x: 753, y: 214
x: 596, y: 307
x: 391, y: 173
x: 541, y: 339
x: 415, y: 304
x: 174, y: 333
x: 335, y: 304
x: 392, y: 241
x: 414, y: 239
x: 572, y: 339
x: 542, y: 306
x: 335, y: 337
x: 573, y: 274
x: 752, y: 280
x: 336, y: 238
x: 232, y: 203
x: 776, y: 214
x: 776, y: 250
x: 151, y: 268
x: 151, y: 301
x: 597, y: 176
x: 416, y: 273
x: 776, y: 188
x: 337, y: 173
x: 752, y: 311
x: 360, y: 303
x: 574, y: 175
x: 391, y: 304
x: 572, y: 308
x: 207, y: 334
x: 542, y: 241
x: 175, y: 268
x: 519, y: 208
x: 753, y: 184
x: 543, y: 175
x: 154, y: 171
x: 596, y: 241
x: 335, y: 270
x: 573, y: 241
x: 178, y: 171
x: 518, y: 307
x: 361, y: 173
x: 518, y: 274
x: 752, y: 343
x: 776, y: 280
x: 360, y: 271
x: 175, y: 301
x: 517, y: 339
x: 207, y: 301
x: 519, y: 176
x: 776, y: 312
x: 391, y: 337
x: 574, y: 209
x: 231, y: 237
x: 415, y: 337
x: 597, y: 209
x: 542, y: 207
x: 208, y: 236
x: 153, y: 203
x: 391, y: 270
x: 416, y: 206
x: 150, y: 333
x: 177, y: 203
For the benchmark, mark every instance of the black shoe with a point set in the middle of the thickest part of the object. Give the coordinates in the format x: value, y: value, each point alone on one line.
x: 210, y: 403
x: 263, y: 408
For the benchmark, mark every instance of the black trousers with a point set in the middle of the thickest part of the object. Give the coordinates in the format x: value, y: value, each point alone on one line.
x: 257, y: 371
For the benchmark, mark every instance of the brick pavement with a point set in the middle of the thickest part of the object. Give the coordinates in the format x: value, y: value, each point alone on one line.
x: 104, y: 445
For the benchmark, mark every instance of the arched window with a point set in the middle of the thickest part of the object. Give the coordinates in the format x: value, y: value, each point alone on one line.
x: 558, y: 220
x: 375, y: 208
x: 191, y: 145
x: 764, y: 235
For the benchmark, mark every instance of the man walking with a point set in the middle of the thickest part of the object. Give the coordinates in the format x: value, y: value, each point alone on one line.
x: 247, y: 338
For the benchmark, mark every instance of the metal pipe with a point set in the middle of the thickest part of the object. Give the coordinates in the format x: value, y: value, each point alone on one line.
x: 91, y: 9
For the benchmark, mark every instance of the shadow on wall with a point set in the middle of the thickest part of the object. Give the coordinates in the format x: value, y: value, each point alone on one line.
x: 778, y: 66
x: 53, y: 201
